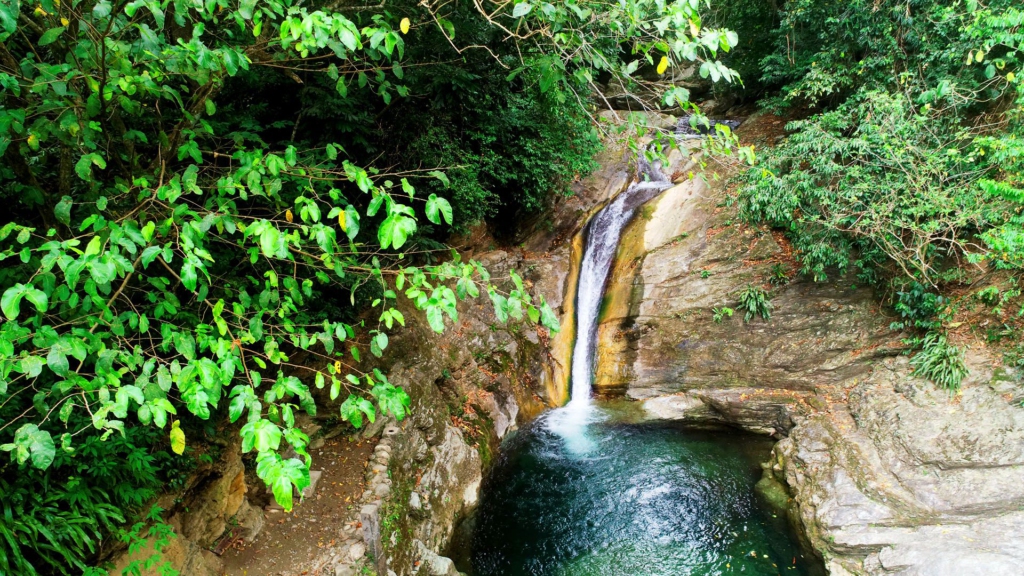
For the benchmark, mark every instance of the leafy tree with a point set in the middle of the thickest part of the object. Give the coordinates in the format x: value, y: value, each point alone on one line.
x: 906, y: 159
x: 898, y: 167
x: 174, y: 241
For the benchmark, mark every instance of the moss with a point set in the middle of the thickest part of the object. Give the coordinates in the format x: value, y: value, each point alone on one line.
x: 394, y: 514
x: 483, y: 444
x: 773, y: 492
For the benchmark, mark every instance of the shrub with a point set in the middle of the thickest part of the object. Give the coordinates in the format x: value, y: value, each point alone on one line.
x: 778, y: 275
x: 719, y: 314
x: 918, y: 307
x: 756, y: 302
x: 874, y: 178
x: 55, y: 521
x: 940, y: 362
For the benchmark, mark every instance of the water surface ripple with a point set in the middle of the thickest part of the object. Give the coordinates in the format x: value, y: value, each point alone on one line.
x: 633, y: 499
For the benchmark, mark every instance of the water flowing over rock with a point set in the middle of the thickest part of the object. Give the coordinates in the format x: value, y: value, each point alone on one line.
x: 888, y: 475
x: 885, y: 474
x: 600, y: 245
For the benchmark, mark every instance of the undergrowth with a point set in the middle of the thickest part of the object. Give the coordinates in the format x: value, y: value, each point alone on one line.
x: 756, y: 302
x: 940, y: 362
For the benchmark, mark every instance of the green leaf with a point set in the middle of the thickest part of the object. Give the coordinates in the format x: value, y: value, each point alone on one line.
x: 440, y: 176
x: 435, y: 318
x: 84, y: 165
x: 32, y: 443
x: 436, y: 206
x: 548, y: 317
x: 263, y: 435
x: 58, y: 361
x: 62, y: 210
x: 242, y: 397
x: 10, y: 302
x: 521, y: 9
x: 395, y: 230
x: 9, y: 10
x: 391, y: 399
x: 351, y: 221
x: 31, y: 366
x: 500, y: 305
x: 150, y: 254
x: 354, y: 408
x: 375, y: 205
x: 282, y: 476
x: 50, y: 36
x: 37, y: 297
x: 189, y: 276
x: 246, y: 8
x: 533, y: 314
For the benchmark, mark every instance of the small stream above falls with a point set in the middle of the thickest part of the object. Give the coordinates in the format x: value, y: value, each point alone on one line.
x: 585, y: 490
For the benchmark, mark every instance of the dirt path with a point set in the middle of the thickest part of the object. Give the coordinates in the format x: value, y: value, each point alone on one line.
x: 290, y: 541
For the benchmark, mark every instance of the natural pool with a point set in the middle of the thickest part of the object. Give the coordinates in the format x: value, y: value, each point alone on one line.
x: 585, y: 493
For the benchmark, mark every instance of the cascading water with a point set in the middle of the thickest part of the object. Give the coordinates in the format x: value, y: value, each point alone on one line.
x: 600, y: 245
x: 602, y: 242
x: 579, y: 492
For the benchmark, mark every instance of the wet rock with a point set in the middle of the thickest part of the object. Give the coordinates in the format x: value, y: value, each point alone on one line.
x: 431, y: 564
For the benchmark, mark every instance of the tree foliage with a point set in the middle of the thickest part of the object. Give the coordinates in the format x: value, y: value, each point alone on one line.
x: 906, y: 159
x: 178, y: 231
x: 898, y: 167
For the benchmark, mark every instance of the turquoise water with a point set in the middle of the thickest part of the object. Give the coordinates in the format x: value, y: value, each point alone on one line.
x: 581, y: 494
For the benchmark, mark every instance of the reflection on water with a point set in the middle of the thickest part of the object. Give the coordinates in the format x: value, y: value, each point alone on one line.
x: 581, y: 493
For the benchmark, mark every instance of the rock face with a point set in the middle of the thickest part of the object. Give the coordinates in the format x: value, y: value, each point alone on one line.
x: 904, y: 480
x: 887, y: 474
x: 469, y: 388
x: 214, y: 496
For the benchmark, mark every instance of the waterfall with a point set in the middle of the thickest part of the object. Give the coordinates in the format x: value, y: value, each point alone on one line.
x: 600, y: 245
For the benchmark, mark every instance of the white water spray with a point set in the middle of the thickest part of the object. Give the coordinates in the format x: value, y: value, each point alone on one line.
x: 600, y: 246
x: 602, y: 242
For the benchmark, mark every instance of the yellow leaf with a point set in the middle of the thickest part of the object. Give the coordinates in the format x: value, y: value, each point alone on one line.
x: 979, y: 56
x: 33, y: 142
x: 663, y: 65
x: 694, y: 29
x: 1010, y: 77
x: 177, y: 438
x: 64, y: 22
x: 289, y: 216
x: 341, y: 222
x: 404, y: 26
x: 40, y: 12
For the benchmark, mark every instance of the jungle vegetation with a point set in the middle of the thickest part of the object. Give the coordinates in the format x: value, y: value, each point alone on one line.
x: 904, y: 157
x: 198, y: 191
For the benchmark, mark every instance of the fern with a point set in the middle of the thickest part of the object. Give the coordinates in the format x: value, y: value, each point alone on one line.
x: 756, y: 302
x: 940, y: 362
